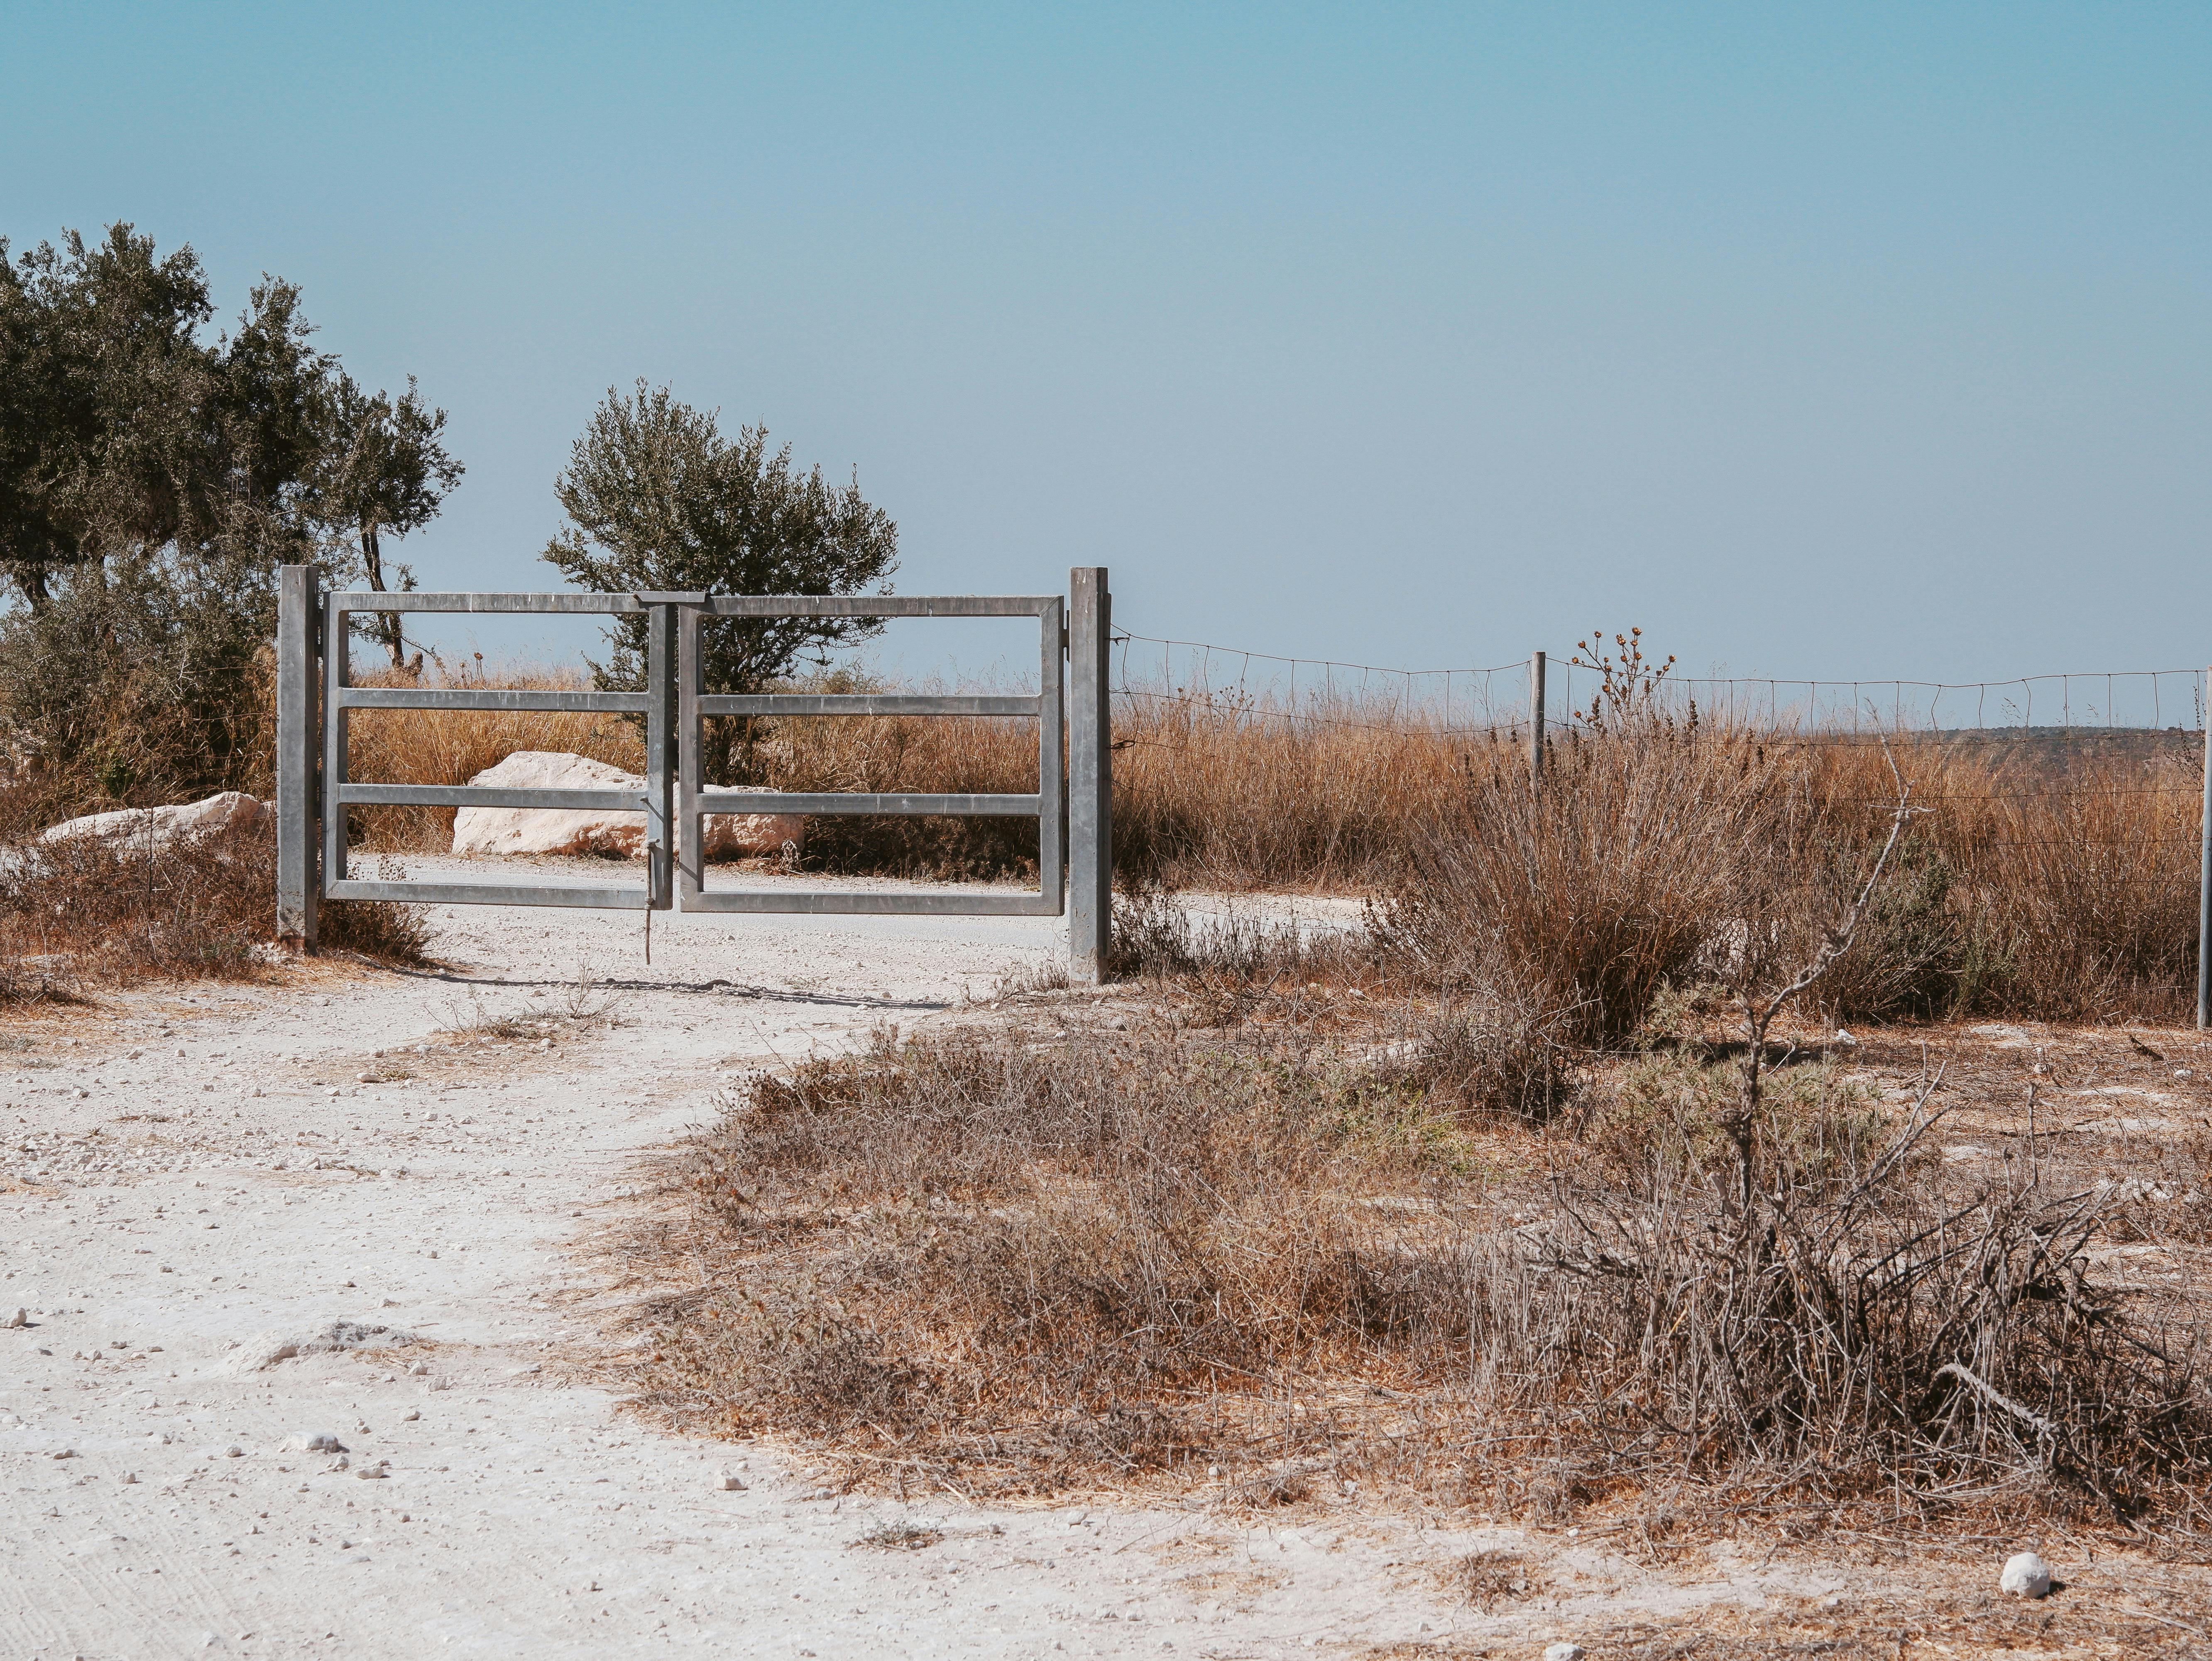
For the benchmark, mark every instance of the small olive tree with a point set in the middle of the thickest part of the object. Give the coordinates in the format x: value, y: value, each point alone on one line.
x: 658, y: 499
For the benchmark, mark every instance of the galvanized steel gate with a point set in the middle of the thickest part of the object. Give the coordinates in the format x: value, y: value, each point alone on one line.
x: 1071, y: 803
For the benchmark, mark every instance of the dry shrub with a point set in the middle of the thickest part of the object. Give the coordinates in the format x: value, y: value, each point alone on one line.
x: 2040, y: 877
x: 1849, y: 1328
x: 98, y: 910
x: 1492, y: 1578
x: 1497, y: 1052
x: 1588, y: 894
x: 1003, y: 1264
x: 1157, y: 938
x: 1652, y: 848
x: 890, y: 753
x: 1012, y: 1264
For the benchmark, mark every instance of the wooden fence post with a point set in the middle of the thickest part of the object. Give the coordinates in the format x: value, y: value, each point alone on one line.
x: 1537, y: 721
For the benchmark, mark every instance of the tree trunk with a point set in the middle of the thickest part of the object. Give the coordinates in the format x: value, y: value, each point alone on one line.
x: 385, y: 629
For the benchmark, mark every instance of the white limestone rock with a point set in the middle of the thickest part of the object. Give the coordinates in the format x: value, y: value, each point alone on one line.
x: 586, y: 831
x: 2026, y: 1575
x: 1564, y: 1652
x: 230, y: 810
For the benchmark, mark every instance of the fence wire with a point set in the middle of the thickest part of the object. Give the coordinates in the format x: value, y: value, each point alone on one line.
x: 1474, y: 703
x: 2051, y: 716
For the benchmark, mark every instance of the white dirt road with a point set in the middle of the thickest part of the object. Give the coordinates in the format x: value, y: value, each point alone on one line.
x: 195, y: 1181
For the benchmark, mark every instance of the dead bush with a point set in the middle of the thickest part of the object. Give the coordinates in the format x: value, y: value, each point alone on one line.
x: 1009, y: 1262
x: 107, y: 911
x: 1854, y: 1328
x: 1592, y: 892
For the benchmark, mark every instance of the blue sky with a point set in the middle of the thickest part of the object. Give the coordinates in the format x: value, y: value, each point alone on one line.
x: 1850, y: 340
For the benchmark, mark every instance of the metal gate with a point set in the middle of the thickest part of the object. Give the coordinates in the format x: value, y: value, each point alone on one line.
x: 1071, y: 804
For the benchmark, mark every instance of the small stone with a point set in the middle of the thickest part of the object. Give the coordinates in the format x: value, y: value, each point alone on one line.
x: 22, y: 1317
x: 320, y: 1441
x: 376, y: 1472
x: 1563, y: 1653
x: 233, y: 1451
x: 411, y: 1415
x: 2026, y: 1575
x: 263, y: 1350
x: 733, y: 1483
x: 129, y: 1475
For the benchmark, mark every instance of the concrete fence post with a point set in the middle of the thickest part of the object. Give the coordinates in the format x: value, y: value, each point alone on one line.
x: 660, y: 670
x: 1537, y: 721
x: 337, y: 675
x: 299, y: 618
x: 691, y: 775
x: 1090, y: 777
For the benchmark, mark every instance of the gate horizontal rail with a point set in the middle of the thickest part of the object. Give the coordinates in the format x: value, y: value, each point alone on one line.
x: 695, y: 799
x: 1071, y: 803
x: 340, y: 699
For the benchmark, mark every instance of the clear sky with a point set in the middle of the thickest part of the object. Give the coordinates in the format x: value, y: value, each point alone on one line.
x: 1820, y: 340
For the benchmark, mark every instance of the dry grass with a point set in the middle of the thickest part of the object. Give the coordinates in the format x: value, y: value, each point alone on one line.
x: 2018, y: 888
x: 451, y: 747
x: 1258, y: 1261
x: 2052, y: 875
x: 88, y: 912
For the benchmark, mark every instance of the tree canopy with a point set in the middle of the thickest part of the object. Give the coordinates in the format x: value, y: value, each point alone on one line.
x: 152, y: 479
x: 659, y: 500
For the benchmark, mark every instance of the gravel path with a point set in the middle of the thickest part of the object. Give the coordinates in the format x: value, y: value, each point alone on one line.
x: 332, y: 1205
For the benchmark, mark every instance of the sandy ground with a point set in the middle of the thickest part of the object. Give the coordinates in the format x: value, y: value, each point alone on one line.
x: 198, y: 1182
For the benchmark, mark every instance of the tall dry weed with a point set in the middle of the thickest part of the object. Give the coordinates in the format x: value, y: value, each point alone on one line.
x: 1594, y: 889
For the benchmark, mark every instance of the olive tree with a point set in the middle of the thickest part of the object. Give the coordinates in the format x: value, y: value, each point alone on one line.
x: 659, y: 500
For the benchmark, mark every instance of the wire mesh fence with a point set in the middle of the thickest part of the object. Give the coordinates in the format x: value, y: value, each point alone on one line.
x: 1479, y: 702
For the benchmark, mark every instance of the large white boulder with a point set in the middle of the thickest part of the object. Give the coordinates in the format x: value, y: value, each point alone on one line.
x: 231, y: 810
x: 580, y: 830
